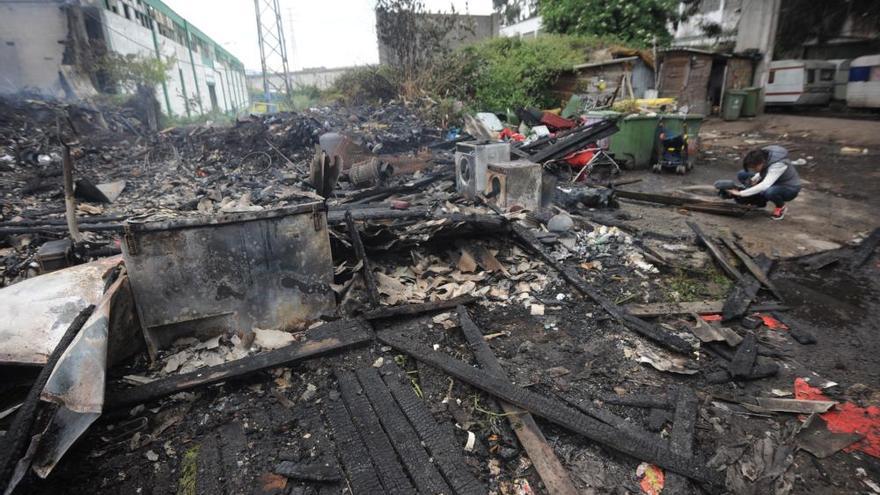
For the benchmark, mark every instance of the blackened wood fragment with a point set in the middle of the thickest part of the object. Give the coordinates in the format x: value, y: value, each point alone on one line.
x: 352, y: 452
x: 648, y: 330
x: 865, y: 250
x: 331, y: 337
x: 437, y: 439
x: 551, y: 471
x: 415, y: 309
x: 404, y: 438
x: 651, y: 450
x: 388, y: 467
x: 741, y: 364
x: 308, y: 472
x: 716, y: 253
x: 366, y: 265
x: 744, y: 292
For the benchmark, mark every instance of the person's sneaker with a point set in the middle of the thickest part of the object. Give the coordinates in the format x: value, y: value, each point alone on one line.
x: 779, y: 213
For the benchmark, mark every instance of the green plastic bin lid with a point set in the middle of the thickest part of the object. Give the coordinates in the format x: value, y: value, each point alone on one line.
x: 736, y: 92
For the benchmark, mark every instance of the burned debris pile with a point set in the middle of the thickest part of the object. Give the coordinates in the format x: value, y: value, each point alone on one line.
x: 347, y: 300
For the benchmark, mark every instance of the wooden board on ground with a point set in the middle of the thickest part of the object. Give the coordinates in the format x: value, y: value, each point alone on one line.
x: 650, y: 450
x: 554, y: 476
x: 327, y: 338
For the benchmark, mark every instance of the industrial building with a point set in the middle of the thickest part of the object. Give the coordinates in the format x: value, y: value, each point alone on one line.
x: 57, y: 59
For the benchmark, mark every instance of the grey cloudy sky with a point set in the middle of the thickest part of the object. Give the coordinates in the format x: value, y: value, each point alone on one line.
x: 328, y: 33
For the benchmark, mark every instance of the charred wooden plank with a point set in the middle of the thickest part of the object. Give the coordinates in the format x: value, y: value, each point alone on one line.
x: 329, y: 337
x: 637, y: 400
x: 716, y: 207
x: 19, y: 433
x: 646, y: 449
x: 759, y: 371
x: 652, y: 332
x: 351, y: 449
x: 437, y: 439
x: 366, y: 266
x: 422, y: 470
x: 865, y: 250
x: 698, y: 307
x: 744, y: 292
x: 233, y: 447
x: 308, y: 472
x: 388, y: 467
x: 716, y: 253
x: 554, y: 476
x: 682, y: 437
x: 415, y: 309
x: 209, y: 466
x: 744, y: 359
x: 752, y: 267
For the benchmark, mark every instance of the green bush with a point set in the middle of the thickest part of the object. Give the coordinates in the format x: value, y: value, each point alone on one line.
x: 505, y: 73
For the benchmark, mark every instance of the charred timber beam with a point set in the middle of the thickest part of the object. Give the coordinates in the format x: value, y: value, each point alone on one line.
x: 752, y: 267
x: 716, y: 207
x: 366, y: 266
x: 681, y: 439
x: 390, y: 471
x: 422, y: 470
x: 331, y: 337
x: 439, y: 441
x: 716, y: 253
x: 554, y: 476
x: 415, y: 309
x: 652, y: 332
x: 865, y: 249
x: 744, y: 292
x: 645, y: 449
x: 352, y: 452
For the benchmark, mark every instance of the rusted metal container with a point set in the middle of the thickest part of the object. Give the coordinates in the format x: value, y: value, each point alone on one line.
x: 203, y: 276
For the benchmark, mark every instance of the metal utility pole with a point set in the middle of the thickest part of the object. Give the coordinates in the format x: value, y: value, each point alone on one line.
x: 273, y: 50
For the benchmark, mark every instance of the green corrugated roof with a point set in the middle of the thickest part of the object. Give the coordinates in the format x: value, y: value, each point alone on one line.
x: 161, y: 7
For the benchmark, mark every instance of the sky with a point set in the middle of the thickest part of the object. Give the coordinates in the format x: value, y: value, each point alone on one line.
x: 326, y: 33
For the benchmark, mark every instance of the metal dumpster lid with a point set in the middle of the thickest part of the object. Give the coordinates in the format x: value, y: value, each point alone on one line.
x: 225, y: 218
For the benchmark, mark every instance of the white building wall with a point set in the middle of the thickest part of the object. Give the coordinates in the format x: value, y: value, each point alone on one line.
x: 127, y: 36
x: 529, y: 28
x: 32, y: 39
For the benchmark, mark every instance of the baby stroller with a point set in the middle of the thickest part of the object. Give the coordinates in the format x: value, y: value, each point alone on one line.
x: 672, y: 151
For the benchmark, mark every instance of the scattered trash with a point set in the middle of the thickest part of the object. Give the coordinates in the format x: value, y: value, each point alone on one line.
x: 651, y: 478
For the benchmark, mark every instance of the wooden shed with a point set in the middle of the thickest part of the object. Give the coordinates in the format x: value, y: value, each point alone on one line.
x: 603, y: 78
x: 699, y: 78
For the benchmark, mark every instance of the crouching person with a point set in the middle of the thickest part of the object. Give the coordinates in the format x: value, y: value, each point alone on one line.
x: 767, y: 175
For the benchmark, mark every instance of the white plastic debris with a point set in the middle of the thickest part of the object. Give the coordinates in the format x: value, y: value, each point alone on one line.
x: 471, y: 441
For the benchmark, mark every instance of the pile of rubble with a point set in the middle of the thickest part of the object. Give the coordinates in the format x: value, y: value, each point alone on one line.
x: 266, y: 332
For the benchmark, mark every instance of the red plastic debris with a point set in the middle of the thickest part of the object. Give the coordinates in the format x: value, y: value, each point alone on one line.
x: 711, y: 317
x: 846, y: 418
x: 506, y: 133
x: 771, y: 322
x: 652, y: 480
x: 580, y: 158
x: 554, y: 121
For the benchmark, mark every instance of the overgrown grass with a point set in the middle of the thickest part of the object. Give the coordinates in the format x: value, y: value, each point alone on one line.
x: 497, y: 74
x: 189, y: 467
x: 684, y: 287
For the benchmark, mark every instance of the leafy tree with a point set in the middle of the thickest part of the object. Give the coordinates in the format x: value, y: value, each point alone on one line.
x: 131, y: 72
x: 512, y: 11
x: 631, y: 21
x: 413, y: 36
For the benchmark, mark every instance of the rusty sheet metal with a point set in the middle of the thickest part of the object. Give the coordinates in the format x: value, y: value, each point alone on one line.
x: 36, y: 312
x: 266, y: 269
